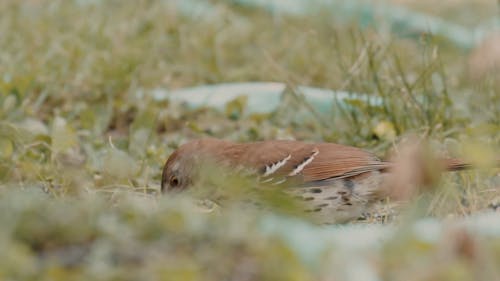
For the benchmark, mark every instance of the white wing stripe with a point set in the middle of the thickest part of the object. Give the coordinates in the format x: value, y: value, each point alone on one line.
x: 275, y: 166
x: 302, y: 165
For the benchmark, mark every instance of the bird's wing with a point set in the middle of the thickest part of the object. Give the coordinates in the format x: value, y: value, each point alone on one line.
x: 338, y: 161
x: 309, y: 162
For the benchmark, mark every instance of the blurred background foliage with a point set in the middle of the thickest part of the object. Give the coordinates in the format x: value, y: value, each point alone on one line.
x: 82, y: 140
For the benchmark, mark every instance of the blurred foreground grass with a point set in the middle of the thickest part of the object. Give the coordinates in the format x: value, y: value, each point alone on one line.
x: 82, y: 140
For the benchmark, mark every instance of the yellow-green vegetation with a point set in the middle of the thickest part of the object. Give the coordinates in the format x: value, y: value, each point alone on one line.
x: 82, y: 140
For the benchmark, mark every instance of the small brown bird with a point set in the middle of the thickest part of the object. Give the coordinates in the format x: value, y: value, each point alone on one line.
x: 336, y: 182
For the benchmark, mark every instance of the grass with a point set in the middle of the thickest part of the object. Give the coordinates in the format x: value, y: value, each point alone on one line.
x: 82, y: 141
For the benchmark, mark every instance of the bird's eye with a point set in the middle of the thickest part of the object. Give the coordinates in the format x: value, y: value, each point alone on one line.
x: 174, y: 181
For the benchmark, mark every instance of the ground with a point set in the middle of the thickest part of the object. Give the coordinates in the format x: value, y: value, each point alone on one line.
x: 82, y: 139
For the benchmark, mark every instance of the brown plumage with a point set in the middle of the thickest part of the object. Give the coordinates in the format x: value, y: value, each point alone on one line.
x: 338, y: 181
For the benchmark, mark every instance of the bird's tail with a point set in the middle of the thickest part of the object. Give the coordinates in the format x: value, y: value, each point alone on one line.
x: 455, y: 164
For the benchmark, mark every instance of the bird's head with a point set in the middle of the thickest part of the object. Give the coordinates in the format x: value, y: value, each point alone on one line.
x: 183, y: 165
x: 174, y: 174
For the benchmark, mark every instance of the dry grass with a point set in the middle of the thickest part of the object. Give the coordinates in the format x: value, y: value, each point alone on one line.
x: 82, y: 141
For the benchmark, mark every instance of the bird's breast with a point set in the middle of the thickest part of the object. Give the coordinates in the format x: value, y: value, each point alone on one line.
x: 339, y: 200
